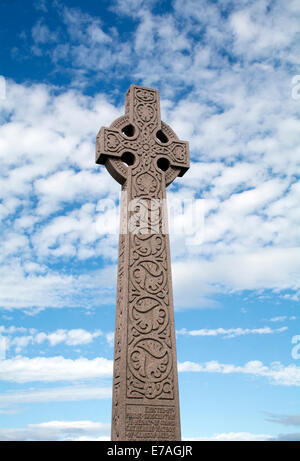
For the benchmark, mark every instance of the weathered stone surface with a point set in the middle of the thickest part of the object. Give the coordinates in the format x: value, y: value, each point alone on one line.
x: 145, y: 386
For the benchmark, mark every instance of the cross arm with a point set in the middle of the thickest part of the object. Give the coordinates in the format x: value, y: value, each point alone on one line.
x: 179, y: 156
x: 177, y: 153
x: 111, y: 143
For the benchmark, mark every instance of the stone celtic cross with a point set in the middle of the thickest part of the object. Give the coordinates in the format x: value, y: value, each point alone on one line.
x: 144, y: 155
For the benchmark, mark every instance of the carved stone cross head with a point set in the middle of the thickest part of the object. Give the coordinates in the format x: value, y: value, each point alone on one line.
x: 140, y: 144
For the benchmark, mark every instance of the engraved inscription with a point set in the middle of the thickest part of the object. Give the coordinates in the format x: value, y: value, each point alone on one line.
x: 150, y: 422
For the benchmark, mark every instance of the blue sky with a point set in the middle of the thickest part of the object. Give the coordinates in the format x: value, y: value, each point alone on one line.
x: 227, y: 73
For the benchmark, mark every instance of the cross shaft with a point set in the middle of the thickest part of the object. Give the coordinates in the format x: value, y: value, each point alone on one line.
x: 145, y: 387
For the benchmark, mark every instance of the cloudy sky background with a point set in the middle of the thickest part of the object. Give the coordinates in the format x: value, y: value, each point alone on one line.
x: 228, y: 74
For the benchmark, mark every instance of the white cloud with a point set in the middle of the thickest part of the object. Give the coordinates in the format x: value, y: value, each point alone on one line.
x: 12, y: 329
x: 242, y: 25
x: 23, y: 369
x: 72, y: 337
x: 231, y: 332
x: 58, y: 430
x: 248, y: 437
x: 50, y: 369
x: 35, y: 292
x: 260, y: 32
x: 287, y: 420
x: 235, y: 108
x: 40, y: 5
x: 86, y: 232
x: 68, y: 186
x: 277, y: 373
x: 110, y: 338
x: 294, y: 437
x: 20, y: 343
x: 235, y: 272
x: 282, y: 318
x: 56, y: 394
x: 69, y: 337
x: 233, y: 437
x: 82, y: 26
x: 50, y: 167
x: 42, y: 34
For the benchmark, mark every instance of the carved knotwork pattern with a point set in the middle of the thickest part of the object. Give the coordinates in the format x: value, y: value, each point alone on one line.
x: 150, y: 367
x: 150, y: 362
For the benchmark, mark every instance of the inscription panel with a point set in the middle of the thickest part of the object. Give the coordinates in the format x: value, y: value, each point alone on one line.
x: 150, y: 422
